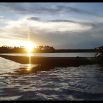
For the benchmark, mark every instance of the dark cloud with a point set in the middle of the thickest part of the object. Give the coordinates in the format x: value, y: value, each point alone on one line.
x: 58, y: 39
x: 76, y: 10
x: 28, y: 8
x: 62, y: 21
x: 12, y: 7
x: 48, y: 8
x: 72, y: 21
x: 34, y: 18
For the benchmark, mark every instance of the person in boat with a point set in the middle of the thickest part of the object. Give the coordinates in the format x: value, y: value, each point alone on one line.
x: 99, y: 52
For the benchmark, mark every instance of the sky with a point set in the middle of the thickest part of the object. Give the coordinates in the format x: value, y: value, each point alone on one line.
x: 61, y: 25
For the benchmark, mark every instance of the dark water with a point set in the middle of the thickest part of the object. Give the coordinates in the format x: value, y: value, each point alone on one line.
x: 35, y: 82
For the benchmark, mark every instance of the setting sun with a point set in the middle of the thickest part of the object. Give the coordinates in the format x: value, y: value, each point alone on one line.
x: 30, y: 46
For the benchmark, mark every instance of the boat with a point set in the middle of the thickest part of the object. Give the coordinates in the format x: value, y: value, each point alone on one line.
x: 70, y: 61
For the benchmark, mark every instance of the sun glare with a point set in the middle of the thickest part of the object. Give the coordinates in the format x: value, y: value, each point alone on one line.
x: 28, y: 69
x: 30, y: 46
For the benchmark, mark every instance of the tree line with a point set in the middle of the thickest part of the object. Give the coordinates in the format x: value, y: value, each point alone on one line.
x: 8, y: 49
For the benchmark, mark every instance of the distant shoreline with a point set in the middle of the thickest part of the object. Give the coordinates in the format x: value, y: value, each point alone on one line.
x: 73, y: 50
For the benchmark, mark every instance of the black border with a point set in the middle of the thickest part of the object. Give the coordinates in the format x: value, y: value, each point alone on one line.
x: 65, y: 1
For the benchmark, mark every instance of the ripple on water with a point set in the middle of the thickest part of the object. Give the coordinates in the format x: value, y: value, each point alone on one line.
x: 69, y: 83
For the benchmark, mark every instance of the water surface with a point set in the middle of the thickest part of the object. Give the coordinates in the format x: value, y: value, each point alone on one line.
x: 88, y: 54
x: 36, y: 82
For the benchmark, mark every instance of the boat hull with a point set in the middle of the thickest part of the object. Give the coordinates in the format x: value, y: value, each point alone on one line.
x: 51, y: 60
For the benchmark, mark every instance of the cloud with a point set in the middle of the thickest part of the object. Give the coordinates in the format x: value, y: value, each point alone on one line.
x: 69, y: 9
x: 44, y: 8
x: 73, y: 21
x: 59, y: 32
x: 49, y: 11
x: 34, y: 18
x: 47, y: 32
x: 23, y: 25
x: 1, y: 17
x: 12, y: 7
x: 27, y: 8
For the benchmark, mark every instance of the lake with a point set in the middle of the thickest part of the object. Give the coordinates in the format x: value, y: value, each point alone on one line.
x: 91, y: 54
x: 21, y: 82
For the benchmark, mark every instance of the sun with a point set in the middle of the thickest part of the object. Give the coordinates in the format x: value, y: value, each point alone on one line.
x: 29, y: 46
